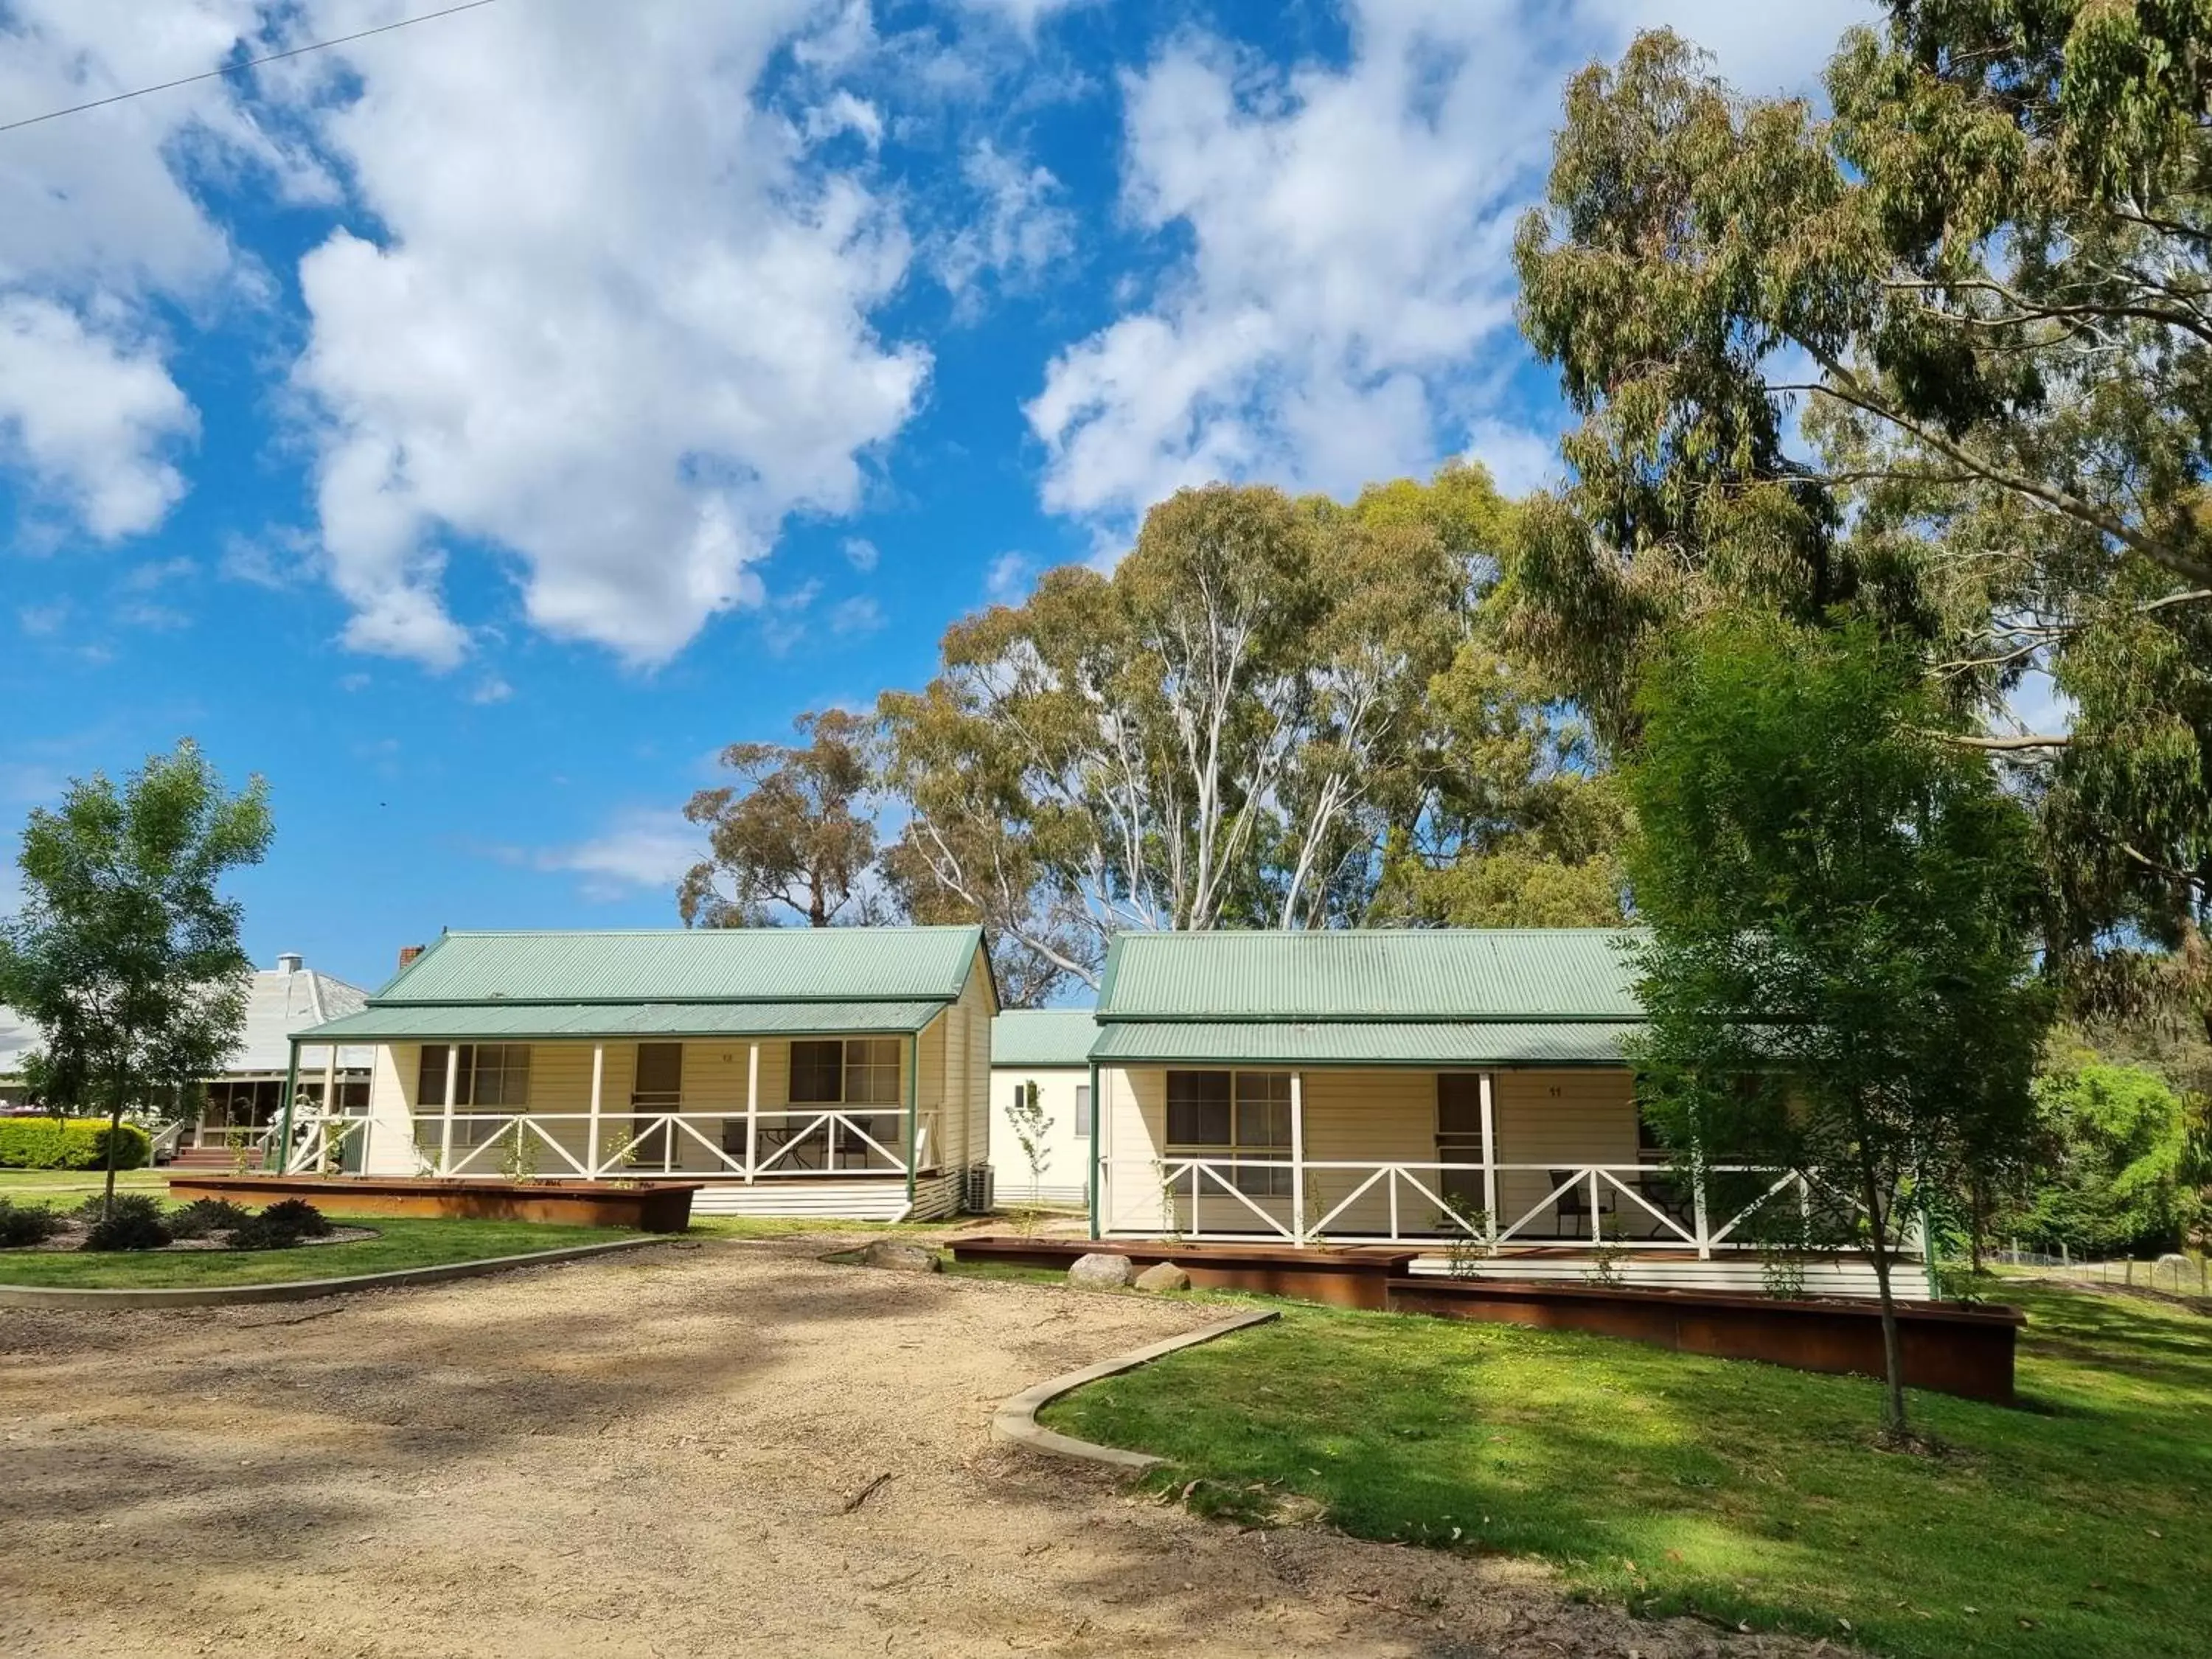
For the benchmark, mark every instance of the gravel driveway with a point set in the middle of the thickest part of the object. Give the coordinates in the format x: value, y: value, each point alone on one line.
x: 656, y: 1454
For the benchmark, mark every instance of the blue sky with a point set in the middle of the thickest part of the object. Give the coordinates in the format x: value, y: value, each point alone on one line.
x: 472, y: 429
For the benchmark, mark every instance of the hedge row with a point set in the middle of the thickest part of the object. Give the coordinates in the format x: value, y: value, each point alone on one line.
x: 69, y: 1143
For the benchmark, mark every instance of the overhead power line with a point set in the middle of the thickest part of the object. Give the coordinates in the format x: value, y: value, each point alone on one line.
x: 239, y: 69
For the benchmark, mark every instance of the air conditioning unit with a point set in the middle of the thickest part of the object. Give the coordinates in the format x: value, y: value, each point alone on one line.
x: 978, y: 1189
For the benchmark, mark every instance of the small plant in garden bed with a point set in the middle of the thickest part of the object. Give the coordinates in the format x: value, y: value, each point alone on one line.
x: 204, y: 1216
x: 281, y: 1226
x: 133, y: 1221
x: 22, y: 1224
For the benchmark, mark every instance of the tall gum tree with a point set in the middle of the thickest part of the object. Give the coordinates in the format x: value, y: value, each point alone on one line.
x: 1981, y: 290
x: 1220, y: 732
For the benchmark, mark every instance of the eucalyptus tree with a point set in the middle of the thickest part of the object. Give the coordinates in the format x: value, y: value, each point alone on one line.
x: 1981, y: 288
x: 1213, y: 735
x: 126, y: 953
x: 798, y: 828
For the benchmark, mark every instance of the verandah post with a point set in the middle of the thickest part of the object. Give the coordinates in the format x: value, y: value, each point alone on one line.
x: 598, y: 1088
x: 1297, y: 1158
x: 282, y: 1151
x: 1489, y: 1154
x: 452, y: 1090
x: 752, y: 1109
x: 913, y: 1113
x: 330, y: 1101
x: 1697, y: 1200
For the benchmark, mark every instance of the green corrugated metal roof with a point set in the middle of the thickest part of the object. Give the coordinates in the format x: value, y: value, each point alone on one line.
x: 1374, y: 974
x: 1050, y: 1036
x: 1364, y: 1042
x: 498, y: 1021
x: 705, y: 964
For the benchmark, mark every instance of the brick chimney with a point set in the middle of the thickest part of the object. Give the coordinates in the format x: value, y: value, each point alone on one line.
x: 409, y: 952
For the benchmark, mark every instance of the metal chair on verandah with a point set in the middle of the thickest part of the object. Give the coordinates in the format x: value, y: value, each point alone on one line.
x: 1571, y: 1208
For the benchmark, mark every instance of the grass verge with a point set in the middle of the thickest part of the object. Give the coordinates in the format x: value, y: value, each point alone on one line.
x: 401, y: 1242
x: 34, y: 1184
x: 2073, y: 1526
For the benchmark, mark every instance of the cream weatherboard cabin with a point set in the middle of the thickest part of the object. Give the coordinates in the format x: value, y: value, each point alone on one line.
x: 830, y: 1072
x: 1464, y: 1091
x: 1048, y: 1050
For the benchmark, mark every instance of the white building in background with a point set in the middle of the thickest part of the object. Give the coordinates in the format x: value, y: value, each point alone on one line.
x: 245, y: 1099
x: 1050, y: 1049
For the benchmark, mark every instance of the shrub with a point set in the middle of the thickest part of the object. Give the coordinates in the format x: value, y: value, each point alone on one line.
x: 204, y: 1216
x: 297, y: 1215
x: 70, y: 1143
x: 26, y: 1223
x: 135, y: 1224
x: 281, y: 1226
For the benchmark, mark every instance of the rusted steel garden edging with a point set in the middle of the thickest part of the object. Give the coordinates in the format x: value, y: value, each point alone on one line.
x: 1016, y: 1421
x: 664, y: 1207
x: 1948, y: 1347
x: 298, y: 1290
x: 1341, y: 1276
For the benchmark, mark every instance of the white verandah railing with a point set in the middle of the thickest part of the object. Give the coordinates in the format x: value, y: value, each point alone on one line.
x: 636, y: 1143
x: 1634, y: 1205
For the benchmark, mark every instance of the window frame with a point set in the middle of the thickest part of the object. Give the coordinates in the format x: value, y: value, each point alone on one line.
x: 1267, y: 1174
x: 879, y: 1060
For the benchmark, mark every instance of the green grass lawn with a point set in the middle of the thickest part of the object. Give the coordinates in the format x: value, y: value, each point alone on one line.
x: 2074, y: 1526
x: 34, y: 1184
x: 409, y: 1242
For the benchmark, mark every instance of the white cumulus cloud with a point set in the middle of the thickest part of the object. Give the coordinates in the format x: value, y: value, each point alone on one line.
x: 597, y: 311
x: 97, y: 226
x: 641, y: 850
x: 93, y: 418
x: 1346, y: 298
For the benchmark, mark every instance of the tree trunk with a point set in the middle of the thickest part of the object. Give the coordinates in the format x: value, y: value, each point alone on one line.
x: 1893, y: 1347
x: 114, y: 1138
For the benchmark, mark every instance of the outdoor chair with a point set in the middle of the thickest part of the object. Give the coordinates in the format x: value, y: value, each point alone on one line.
x: 1571, y: 1208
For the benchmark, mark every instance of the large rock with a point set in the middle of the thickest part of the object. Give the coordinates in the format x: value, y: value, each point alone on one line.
x: 1100, y: 1272
x: 1163, y: 1276
x: 900, y: 1257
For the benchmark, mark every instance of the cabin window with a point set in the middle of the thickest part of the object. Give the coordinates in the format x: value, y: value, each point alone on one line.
x: 857, y: 1072
x: 489, y: 1078
x: 490, y: 1074
x: 1245, y: 1114
x: 1083, y: 1110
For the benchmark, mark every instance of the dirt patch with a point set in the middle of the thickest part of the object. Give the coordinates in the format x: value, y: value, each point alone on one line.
x: 735, y: 1449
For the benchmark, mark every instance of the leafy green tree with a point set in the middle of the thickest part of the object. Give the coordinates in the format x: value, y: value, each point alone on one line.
x: 1274, y: 712
x: 1213, y: 735
x: 2119, y: 1176
x: 126, y: 953
x: 1982, y: 287
x: 1837, y: 967
x: 799, y: 831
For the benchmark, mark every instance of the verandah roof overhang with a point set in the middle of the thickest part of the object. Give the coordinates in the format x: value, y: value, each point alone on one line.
x: 515, y: 1022
x: 1362, y: 1043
